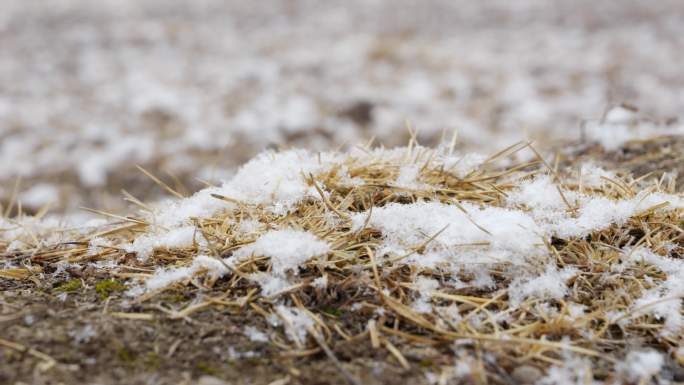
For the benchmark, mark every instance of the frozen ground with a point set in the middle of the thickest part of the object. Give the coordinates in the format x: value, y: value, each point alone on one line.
x: 90, y: 89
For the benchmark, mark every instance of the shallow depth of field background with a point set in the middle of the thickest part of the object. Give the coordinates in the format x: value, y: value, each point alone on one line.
x: 191, y: 89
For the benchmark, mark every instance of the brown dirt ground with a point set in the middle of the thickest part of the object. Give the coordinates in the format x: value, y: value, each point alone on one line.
x: 210, y: 345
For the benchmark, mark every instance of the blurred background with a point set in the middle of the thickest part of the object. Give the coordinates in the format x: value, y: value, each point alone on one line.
x: 191, y: 89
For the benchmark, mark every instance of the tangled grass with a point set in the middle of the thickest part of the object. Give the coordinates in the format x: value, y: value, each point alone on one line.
x: 379, y: 299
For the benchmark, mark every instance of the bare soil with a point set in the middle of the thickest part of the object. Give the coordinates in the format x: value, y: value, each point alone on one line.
x: 92, y: 345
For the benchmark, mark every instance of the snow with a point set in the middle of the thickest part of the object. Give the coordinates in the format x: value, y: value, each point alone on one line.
x: 592, y: 175
x: 320, y: 282
x: 620, y: 115
x: 271, y: 285
x: 462, y: 164
x: 510, y: 235
x: 549, y: 285
x: 575, y: 311
x: 665, y: 296
x: 408, y: 178
x: 621, y: 127
x: 646, y: 255
x: 163, y: 278
x: 276, y: 180
x: 83, y: 335
x: 296, y: 323
x: 540, y: 196
x: 255, y: 335
x: 261, y: 77
x: 451, y: 313
x: 573, y: 371
x: 40, y: 195
x: 180, y: 237
x: 640, y: 365
x: 22, y: 232
x: 462, y: 369
x: 287, y: 249
x: 233, y: 354
x: 97, y: 245
x: 138, y: 101
x: 249, y: 226
x: 423, y: 286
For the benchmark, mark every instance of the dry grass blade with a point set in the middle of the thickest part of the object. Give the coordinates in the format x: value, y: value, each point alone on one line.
x: 161, y: 183
x: 48, y: 362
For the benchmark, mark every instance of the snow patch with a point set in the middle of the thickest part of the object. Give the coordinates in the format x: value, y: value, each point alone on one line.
x: 276, y: 180
x: 489, y: 234
x: 542, y: 199
x: 296, y: 322
x: 640, y: 365
x: 175, y: 238
x: 255, y: 335
x: 165, y: 277
x: 549, y: 285
x: 287, y: 249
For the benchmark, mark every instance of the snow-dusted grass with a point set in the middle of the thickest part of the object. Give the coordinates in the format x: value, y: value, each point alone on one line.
x: 570, y: 270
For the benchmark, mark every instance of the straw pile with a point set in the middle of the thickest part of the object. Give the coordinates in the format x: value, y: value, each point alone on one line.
x: 513, y: 272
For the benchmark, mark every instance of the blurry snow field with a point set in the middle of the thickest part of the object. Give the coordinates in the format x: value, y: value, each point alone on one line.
x: 193, y: 89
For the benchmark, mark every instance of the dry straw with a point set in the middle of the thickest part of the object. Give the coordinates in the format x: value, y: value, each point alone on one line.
x: 368, y: 297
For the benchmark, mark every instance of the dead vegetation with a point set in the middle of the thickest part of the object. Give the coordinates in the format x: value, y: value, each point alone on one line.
x: 365, y: 311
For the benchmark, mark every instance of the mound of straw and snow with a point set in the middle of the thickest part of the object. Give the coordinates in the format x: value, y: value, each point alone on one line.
x: 573, y: 270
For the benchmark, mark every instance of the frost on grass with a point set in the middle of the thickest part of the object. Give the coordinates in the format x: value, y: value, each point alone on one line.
x: 433, y: 243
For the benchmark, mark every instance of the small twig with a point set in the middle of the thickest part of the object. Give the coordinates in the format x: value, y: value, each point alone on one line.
x: 331, y: 356
x: 397, y: 354
x: 162, y: 184
x: 48, y: 362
